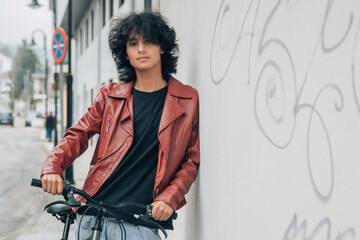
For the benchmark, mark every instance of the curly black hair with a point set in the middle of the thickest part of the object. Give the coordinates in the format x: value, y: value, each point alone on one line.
x: 150, y: 25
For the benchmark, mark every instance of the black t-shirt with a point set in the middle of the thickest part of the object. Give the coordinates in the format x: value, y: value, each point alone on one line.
x: 133, y: 180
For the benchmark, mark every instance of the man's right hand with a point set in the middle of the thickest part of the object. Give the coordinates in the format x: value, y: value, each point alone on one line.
x: 52, y: 183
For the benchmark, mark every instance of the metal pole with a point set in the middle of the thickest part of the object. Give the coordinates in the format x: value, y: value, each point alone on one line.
x: 69, y: 176
x: 69, y: 34
x: 56, y: 78
x: 62, y: 131
x: 46, y: 78
x: 27, y: 89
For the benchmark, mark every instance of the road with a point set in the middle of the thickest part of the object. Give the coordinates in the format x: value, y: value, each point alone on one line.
x: 22, y: 153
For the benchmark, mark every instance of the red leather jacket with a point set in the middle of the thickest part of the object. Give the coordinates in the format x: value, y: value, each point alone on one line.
x: 111, y: 116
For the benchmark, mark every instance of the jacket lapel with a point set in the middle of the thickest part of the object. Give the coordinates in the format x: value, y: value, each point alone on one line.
x: 127, y: 117
x: 171, y: 111
x: 123, y: 91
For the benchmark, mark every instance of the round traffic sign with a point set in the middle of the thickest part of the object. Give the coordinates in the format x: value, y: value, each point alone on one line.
x: 60, y: 45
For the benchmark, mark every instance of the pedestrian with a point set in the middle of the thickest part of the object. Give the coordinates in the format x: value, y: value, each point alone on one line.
x: 148, y: 148
x: 49, y: 125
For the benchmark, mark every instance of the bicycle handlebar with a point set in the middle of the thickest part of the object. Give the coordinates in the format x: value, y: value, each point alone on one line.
x: 67, y: 188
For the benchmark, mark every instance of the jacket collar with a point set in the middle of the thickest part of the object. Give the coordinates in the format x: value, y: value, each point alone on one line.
x: 121, y: 90
x: 175, y: 88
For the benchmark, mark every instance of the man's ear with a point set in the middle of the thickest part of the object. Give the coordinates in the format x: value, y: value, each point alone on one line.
x: 127, y: 58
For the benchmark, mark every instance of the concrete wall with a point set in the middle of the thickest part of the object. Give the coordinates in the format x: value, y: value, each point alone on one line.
x: 279, y: 85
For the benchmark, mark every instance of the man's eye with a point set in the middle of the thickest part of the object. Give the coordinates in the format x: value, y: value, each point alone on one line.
x: 132, y: 43
x: 147, y: 41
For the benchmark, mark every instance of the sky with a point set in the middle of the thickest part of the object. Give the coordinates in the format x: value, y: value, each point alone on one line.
x: 18, y: 21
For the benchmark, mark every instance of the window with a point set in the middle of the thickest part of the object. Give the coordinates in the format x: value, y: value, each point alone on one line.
x: 121, y: 2
x: 81, y: 41
x: 87, y: 33
x: 92, y: 25
x: 147, y: 5
x: 111, y: 8
x: 103, y: 12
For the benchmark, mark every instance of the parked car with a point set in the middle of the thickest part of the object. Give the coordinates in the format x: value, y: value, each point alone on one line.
x: 34, y: 119
x: 6, y: 117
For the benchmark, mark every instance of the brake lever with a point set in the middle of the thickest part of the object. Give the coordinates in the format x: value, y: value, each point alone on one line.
x: 71, y: 201
x: 147, y: 218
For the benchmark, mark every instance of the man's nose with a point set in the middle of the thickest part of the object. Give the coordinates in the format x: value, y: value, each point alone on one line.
x: 141, y: 47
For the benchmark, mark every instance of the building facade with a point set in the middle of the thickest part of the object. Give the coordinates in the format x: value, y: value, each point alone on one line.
x: 5, y: 81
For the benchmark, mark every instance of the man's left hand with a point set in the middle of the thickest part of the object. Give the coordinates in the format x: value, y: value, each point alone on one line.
x: 161, y: 211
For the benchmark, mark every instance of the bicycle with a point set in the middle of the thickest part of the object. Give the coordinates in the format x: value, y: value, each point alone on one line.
x: 62, y: 210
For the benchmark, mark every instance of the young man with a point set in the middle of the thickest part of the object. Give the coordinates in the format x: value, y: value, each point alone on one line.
x: 148, y: 149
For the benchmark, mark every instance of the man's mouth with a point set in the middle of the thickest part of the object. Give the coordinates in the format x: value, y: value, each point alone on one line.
x: 142, y: 58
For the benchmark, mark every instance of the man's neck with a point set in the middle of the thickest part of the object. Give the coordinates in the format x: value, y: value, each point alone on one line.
x: 149, y: 82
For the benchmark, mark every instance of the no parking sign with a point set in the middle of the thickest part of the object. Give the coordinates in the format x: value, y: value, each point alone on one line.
x: 59, y: 45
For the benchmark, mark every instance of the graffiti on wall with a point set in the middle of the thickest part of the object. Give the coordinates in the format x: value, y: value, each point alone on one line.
x: 279, y: 86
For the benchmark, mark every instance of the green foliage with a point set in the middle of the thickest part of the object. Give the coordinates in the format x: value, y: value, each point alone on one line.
x: 24, y: 64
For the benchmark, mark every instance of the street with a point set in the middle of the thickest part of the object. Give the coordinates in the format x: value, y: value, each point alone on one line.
x: 22, y: 154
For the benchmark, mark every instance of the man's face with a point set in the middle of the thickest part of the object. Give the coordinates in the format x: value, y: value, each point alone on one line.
x: 143, y: 54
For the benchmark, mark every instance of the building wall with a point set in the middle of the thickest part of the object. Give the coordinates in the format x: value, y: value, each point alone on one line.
x: 279, y: 113
x: 5, y: 81
x: 279, y: 85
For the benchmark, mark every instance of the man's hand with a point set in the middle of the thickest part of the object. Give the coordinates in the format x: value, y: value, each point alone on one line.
x: 161, y: 211
x: 52, y: 183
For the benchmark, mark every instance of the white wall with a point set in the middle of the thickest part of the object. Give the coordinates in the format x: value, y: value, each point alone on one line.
x: 279, y: 85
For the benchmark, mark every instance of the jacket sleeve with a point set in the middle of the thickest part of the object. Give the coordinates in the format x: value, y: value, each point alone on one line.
x: 174, y: 193
x: 75, y: 140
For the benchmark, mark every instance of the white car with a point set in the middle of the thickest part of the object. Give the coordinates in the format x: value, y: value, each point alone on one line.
x: 34, y: 119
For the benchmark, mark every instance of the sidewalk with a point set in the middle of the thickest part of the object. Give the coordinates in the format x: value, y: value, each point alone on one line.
x: 46, y: 226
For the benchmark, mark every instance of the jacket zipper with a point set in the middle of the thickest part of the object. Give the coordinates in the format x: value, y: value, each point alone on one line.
x: 107, y: 128
x: 157, y: 171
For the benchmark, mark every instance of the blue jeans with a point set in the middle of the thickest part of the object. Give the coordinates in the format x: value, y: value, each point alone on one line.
x: 111, y: 230
x: 48, y: 133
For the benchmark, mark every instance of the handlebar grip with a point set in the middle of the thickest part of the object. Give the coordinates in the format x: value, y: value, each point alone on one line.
x: 174, y: 216
x: 36, y: 183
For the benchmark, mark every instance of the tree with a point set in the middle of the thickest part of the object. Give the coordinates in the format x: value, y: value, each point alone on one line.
x: 6, y: 51
x: 25, y: 59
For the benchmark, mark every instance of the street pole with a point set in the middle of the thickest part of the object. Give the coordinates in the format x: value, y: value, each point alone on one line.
x: 27, y: 89
x: 62, y: 130
x: 46, y: 78
x: 56, y: 79
x: 69, y: 176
